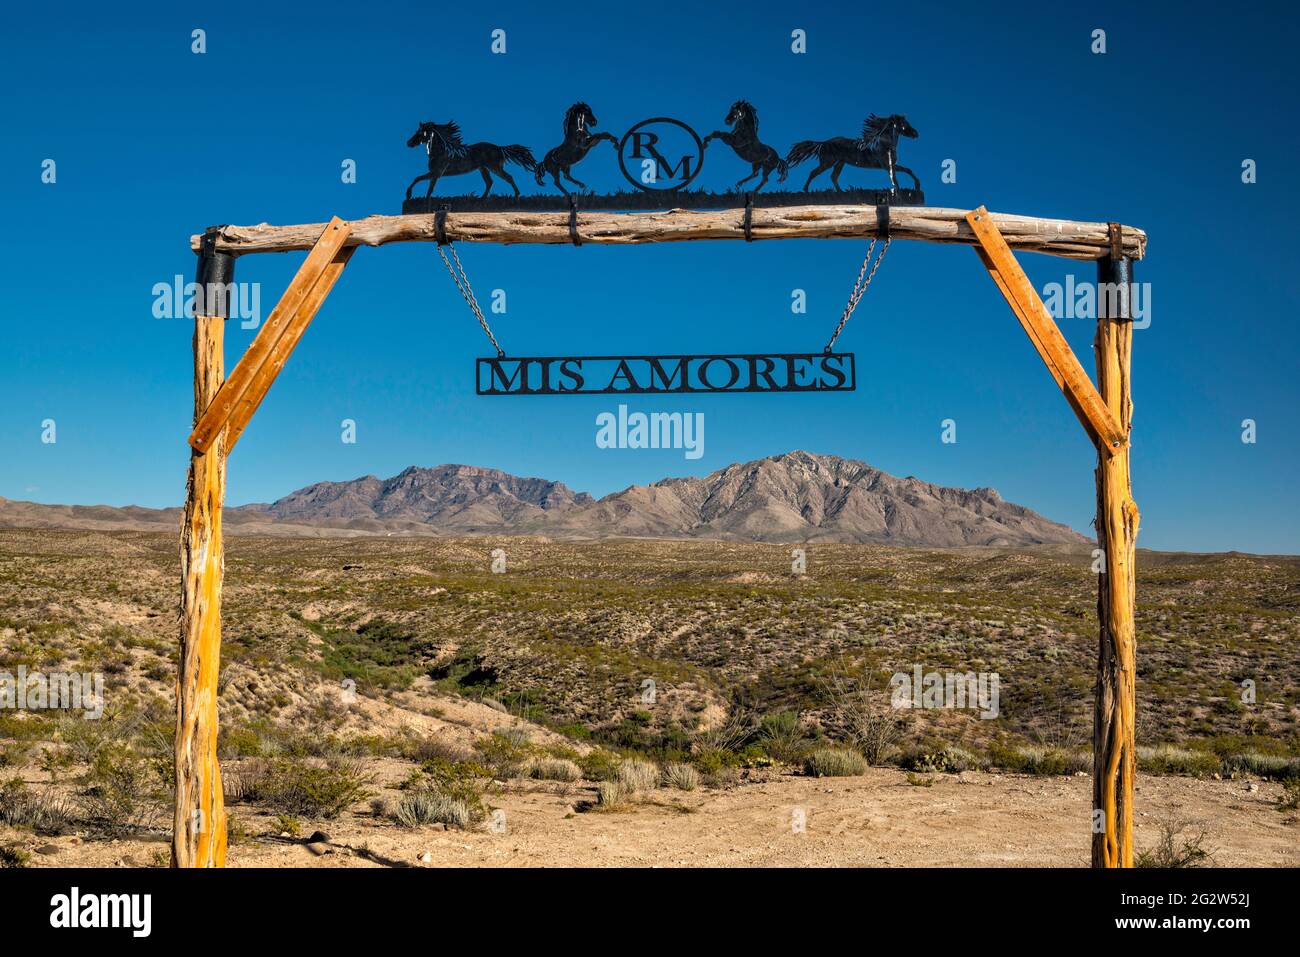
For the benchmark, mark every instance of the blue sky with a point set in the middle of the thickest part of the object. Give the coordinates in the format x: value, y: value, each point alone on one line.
x: 153, y: 142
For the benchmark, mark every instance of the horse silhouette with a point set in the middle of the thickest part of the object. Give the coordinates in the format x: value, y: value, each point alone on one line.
x: 578, y: 141
x: 876, y: 148
x: 743, y: 138
x: 448, y: 156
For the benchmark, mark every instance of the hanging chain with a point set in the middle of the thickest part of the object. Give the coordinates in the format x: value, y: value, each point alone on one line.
x: 462, y: 283
x: 859, y: 287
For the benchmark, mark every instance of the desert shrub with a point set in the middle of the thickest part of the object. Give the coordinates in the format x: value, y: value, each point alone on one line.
x: 243, y: 784
x: 834, y: 763
x: 420, y: 750
x: 378, y: 654
x: 730, y: 735
x: 553, y: 769
x: 454, y: 777
x: 636, y: 775
x: 296, y: 787
x: 462, y: 782
x: 1290, y: 799
x: 1037, y: 759
x: 610, y: 794
x: 947, y: 760
x: 287, y: 824
x: 598, y: 765
x: 83, y: 738
x: 1167, y: 759
x: 714, y: 760
x: 1277, y: 767
x: 43, y: 812
x: 14, y: 857
x: 240, y: 741
x: 516, y: 735
x: 683, y: 777
x: 865, y: 717
x: 54, y: 761
x: 432, y: 807
x: 27, y: 726
x: 122, y: 787
x: 503, y: 752
x: 1175, y: 848
x: 14, y: 754
x: 916, y: 781
x: 782, y: 737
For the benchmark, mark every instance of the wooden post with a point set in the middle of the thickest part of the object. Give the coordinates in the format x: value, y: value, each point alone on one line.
x: 199, y: 824
x: 1115, y: 709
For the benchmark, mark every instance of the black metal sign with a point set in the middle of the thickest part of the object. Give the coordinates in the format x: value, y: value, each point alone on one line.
x: 640, y: 148
x: 662, y: 158
x: 671, y: 375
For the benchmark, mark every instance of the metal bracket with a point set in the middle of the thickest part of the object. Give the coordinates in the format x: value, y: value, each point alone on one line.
x: 440, y: 225
x: 573, y: 222
x: 749, y: 217
x: 882, y: 221
x: 215, y: 273
x: 1116, y: 235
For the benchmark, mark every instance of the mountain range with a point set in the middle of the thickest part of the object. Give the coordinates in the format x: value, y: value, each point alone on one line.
x: 793, y: 497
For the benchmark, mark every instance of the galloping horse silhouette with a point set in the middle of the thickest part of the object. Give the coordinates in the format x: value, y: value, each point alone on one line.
x: 578, y: 141
x: 448, y: 156
x: 743, y: 138
x: 877, y: 148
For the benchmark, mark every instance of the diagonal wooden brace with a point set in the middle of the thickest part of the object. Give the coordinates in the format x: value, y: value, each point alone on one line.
x: 270, y: 369
x: 1096, y: 418
x: 244, y: 390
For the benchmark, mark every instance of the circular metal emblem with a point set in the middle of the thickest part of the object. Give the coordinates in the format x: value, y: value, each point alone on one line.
x: 665, y: 153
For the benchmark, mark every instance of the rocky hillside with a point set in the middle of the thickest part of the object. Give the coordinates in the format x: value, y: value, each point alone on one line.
x: 794, y: 497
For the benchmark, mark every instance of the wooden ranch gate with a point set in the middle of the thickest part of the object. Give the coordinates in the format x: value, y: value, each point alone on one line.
x: 223, y: 406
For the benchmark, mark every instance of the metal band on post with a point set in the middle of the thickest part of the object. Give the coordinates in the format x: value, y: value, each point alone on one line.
x: 749, y: 217
x: 1115, y: 272
x: 440, y: 225
x: 215, y: 276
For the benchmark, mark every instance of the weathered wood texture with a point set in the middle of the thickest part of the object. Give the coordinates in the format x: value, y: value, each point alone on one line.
x: 1057, y: 237
x: 1115, y: 710
x: 252, y: 377
x: 1102, y: 427
x: 199, y: 825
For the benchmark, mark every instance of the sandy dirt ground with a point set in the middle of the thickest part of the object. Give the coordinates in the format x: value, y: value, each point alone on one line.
x: 877, y: 820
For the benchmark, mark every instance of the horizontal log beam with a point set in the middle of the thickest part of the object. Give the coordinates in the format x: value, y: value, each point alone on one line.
x: 1055, y: 237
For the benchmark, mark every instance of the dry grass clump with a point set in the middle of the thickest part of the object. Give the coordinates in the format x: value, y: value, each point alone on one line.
x: 636, y: 776
x: 834, y: 763
x: 610, y: 795
x: 432, y: 807
x: 43, y: 812
x: 553, y: 769
x: 683, y: 777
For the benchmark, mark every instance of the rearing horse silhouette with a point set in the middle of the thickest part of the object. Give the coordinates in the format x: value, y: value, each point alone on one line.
x: 578, y: 141
x: 743, y: 138
x: 877, y: 148
x: 448, y: 156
